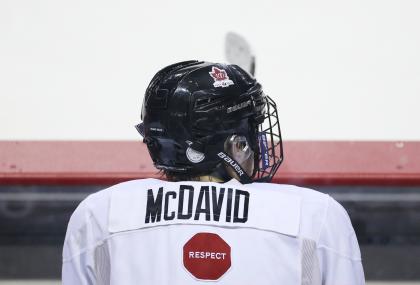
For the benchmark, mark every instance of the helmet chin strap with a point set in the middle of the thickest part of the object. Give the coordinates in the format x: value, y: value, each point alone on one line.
x: 230, y: 162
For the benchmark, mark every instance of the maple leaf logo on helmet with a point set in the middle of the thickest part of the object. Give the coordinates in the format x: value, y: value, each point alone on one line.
x: 221, y: 79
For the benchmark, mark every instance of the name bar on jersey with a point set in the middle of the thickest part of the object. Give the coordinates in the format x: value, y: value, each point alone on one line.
x: 210, y: 204
x: 229, y: 205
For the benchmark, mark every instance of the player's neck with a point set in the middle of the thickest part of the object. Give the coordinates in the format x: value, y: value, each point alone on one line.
x: 209, y: 178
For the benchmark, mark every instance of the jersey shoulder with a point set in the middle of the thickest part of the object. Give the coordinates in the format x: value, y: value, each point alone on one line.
x: 323, y: 220
x: 96, y: 205
x: 88, y: 225
x: 313, y: 206
x: 312, y: 199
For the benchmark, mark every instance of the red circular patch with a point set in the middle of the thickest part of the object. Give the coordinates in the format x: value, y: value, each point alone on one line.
x: 207, y: 256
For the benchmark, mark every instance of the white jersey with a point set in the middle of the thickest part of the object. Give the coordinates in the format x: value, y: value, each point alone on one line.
x: 156, y: 232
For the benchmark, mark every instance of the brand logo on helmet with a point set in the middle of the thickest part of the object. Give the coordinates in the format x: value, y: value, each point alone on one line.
x: 265, y: 158
x: 231, y: 162
x: 238, y: 107
x: 221, y: 79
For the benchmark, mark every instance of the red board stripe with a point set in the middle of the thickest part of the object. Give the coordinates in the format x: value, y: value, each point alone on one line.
x: 306, y: 162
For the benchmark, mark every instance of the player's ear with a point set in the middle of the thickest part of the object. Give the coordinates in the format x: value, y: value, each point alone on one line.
x: 239, y: 149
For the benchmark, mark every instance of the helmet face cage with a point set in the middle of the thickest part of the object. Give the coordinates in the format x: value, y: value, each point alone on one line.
x: 270, y: 151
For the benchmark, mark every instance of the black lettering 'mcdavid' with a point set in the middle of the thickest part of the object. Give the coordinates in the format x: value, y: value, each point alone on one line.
x: 244, y: 218
x: 166, y: 215
x: 189, y: 213
x: 217, y: 202
x: 203, y: 195
x: 154, y: 206
x: 234, y: 201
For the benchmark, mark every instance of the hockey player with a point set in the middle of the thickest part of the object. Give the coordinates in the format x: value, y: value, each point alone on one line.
x: 215, y: 135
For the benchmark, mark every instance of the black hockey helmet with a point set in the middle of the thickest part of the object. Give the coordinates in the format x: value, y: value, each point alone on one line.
x: 194, y: 111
